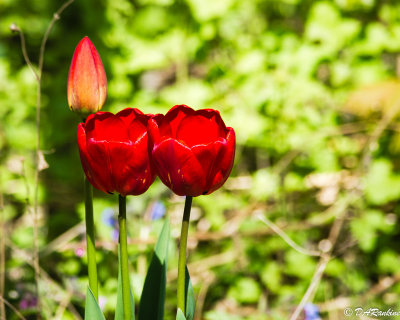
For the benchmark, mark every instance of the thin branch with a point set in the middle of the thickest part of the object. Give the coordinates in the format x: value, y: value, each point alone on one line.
x: 63, y: 305
x: 63, y: 239
x: 27, y: 257
x: 286, y: 238
x: 2, y: 254
x: 15, y: 28
x: 207, y: 281
x: 319, y: 271
x: 12, y: 308
x: 38, y: 77
x: 325, y: 258
x: 56, y: 17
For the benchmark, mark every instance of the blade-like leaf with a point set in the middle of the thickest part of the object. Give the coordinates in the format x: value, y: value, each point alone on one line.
x: 92, y: 308
x: 179, y: 315
x: 153, y: 296
x: 189, y: 297
x: 119, y: 309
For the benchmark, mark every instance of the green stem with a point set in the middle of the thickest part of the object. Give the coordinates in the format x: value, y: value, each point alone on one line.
x: 182, y: 254
x: 91, y: 249
x: 124, y: 258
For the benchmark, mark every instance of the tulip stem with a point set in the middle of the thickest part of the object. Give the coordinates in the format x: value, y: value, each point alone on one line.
x: 90, y: 240
x: 182, y: 255
x: 126, y: 291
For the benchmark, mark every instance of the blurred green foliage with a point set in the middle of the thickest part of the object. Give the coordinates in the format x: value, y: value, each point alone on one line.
x: 314, y: 146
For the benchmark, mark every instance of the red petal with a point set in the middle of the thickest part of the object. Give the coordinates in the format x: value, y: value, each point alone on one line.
x: 87, y: 162
x: 87, y: 83
x: 174, y: 117
x: 214, y: 116
x: 225, y: 161
x: 178, y: 168
x: 128, y: 115
x: 154, y: 129
x: 131, y: 167
x: 104, y: 126
x: 101, y: 75
x: 192, y: 127
x: 196, y: 129
x: 210, y: 157
x: 100, y: 163
x: 136, y: 122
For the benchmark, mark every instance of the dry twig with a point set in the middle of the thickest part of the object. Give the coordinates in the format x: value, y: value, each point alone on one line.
x: 38, y: 76
x: 2, y: 255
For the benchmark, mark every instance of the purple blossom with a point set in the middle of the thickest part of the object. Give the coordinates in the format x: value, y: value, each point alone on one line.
x: 108, y: 218
x: 157, y: 211
x: 311, y: 312
x: 28, y: 302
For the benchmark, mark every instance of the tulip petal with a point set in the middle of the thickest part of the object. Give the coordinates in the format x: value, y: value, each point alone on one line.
x: 209, y: 157
x: 196, y: 130
x: 173, y: 119
x: 101, y: 164
x: 157, y: 131
x: 224, y: 161
x: 131, y: 167
x: 178, y: 168
x: 87, y: 161
x: 106, y: 127
x: 136, y: 122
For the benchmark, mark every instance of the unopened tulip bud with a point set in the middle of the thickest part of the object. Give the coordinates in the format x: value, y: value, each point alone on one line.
x: 87, y: 82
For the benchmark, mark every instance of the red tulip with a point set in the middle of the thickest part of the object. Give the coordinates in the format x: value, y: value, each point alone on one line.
x: 114, y: 151
x: 87, y: 82
x: 193, y: 151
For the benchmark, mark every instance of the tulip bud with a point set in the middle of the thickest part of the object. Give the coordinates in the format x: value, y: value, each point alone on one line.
x: 87, y: 82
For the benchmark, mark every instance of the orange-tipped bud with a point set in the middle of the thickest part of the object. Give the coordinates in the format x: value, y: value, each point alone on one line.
x: 87, y: 82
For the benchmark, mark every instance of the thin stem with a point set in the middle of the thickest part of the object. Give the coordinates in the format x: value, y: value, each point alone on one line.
x: 15, y: 28
x: 126, y: 300
x: 38, y: 77
x: 2, y: 254
x: 56, y: 16
x: 18, y: 314
x: 91, y: 249
x: 286, y: 238
x: 182, y: 254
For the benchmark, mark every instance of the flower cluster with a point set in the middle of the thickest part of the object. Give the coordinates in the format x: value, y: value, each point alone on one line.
x: 191, y: 151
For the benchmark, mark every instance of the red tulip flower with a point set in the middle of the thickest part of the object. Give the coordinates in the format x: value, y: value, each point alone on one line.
x: 193, y: 151
x: 87, y: 82
x: 114, y: 151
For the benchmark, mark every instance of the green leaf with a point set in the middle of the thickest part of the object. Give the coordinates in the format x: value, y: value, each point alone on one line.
x: 179, y: 315
x: 189, y: 297
x: 381, y: 184
x: 245, y: 290
x: 119, y: 309
x: 153, y: 296
x: 92, y: 308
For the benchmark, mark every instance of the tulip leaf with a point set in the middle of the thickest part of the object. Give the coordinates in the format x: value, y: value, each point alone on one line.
x: 92, y: 308
x: 153, y: 296
x: 189, y: 297
x: 119, y: 309
x: 180, y: 315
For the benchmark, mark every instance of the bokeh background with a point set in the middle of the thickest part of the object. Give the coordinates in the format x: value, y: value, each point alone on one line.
x: 310, y: 88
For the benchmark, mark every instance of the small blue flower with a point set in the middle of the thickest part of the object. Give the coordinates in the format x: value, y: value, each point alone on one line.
x: 115, y: 234
x: 158, y: 211
x: 108, y: 218
x: 311, y: 312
